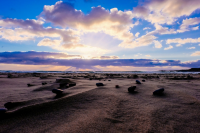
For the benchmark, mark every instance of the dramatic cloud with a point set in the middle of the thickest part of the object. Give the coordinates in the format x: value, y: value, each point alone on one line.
x: 44, y: 58
x: 197, y: 53
x: 33, y: 54
x: 166, y: 11
x: 180, y: 41
x: 13, y: 28
x: 113, y: 22
x: 31, y: 29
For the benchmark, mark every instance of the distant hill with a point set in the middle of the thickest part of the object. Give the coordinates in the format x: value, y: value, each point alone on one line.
x: 187, y: 70
x: 190, y: 70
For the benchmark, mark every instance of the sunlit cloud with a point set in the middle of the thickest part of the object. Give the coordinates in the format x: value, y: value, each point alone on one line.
x: 187, y: 22
x: 113, y: 22
x: 137, y: 34
x: 197, y: 53
x: 191, y: 48
x: 165, y: 11
x: 180, y: 41
x: 146, y: 28
x: 169, y: 47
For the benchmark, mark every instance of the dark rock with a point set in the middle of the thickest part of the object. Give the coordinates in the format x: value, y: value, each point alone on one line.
x: 99, y: 84
x: 132, y: 89
x: 138, y: 82
x: 157, y: 77
x: 109, y: 80
x: 44, y: 83
x: 116, y: 86
x: 143, y: 80
x: 63, y: 85
x: 3, y: 110
x: 29, y: 85
x: 57, y: 91
x: 158, y: 92
x: 43, y: 77
x: 9, y: 76
x: 72, y: 84
x: 135, y: 76
x: 9, y: 105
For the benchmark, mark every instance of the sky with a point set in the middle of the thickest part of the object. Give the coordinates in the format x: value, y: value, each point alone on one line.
x: 99, y: 35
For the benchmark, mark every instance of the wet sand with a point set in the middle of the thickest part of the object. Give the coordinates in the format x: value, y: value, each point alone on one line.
x: 86, y: 108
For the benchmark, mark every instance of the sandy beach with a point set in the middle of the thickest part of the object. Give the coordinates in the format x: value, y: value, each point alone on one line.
x: 87, y: 108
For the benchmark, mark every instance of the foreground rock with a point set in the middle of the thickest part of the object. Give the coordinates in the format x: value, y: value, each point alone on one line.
x: 9, y: 105
x: 132, y: 89
x: 29, y: 85
x: 99, y: 84
x: 72, y: 84
x: 3, y: 110
x: 64, y: 83
x: 57, y: 91
x: 138, y: 82
x: 158, y: 92
x: 116, y: 86
x: 44, y: 83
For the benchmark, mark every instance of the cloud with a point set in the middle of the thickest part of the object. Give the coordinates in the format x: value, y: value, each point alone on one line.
x: 180, y: 41
x: 33, y: 54
x: 197, y: 53
x: 137, y: 34
x: 195, y: 28
x: 105, y: 57
x: 24, y: 30
x: 157, y: 44
x: 187, y: 22
x: 148, y: 55
x: 61, y: 59
x: 165, y: 11
x: 28, y: 23
x: 144, y: 40
x: 113, y: 22
x: 191, y: 48
x: 167, y: 48
x: 17, y: 30
x: 146, y: 28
